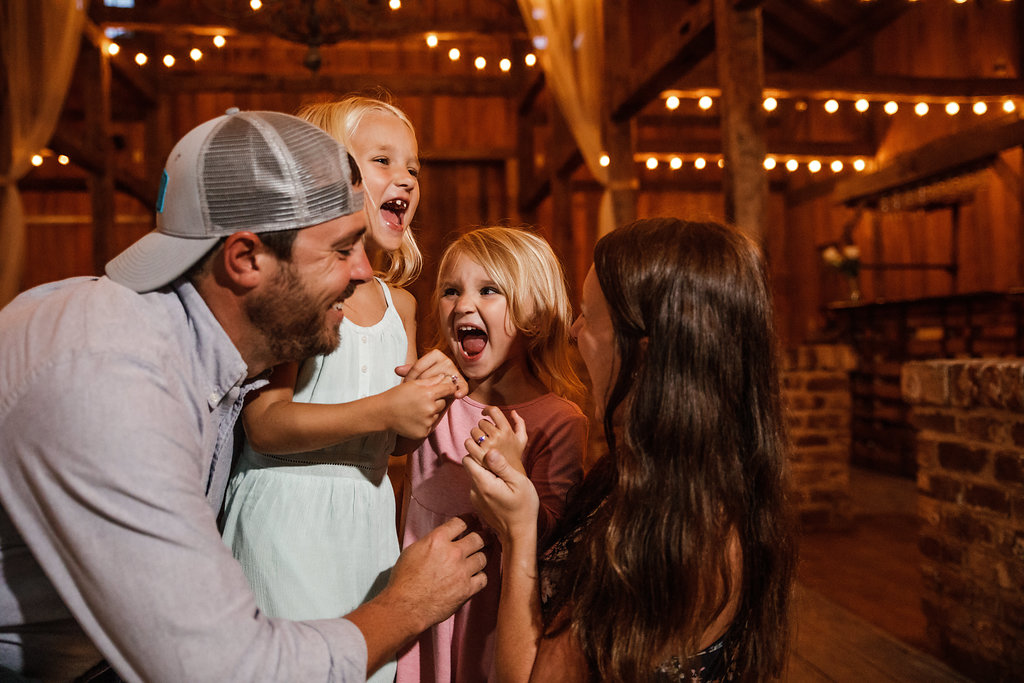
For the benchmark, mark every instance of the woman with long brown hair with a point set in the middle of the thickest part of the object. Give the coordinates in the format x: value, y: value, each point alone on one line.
x: 675, y: 558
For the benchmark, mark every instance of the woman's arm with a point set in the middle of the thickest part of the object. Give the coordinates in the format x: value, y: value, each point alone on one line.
x: 508, y: 502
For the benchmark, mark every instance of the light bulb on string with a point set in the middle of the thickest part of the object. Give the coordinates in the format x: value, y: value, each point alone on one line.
x: 431, y: 40
x: 979, y: 108
x: 705, y: 102
x: 675, y: 163
x: 832, y: 106
x: 699, y: 163
x: 505, y: 65
x: 792, y: 165
x: 454, y: 54
x: 861, y: 105
x: 652, y: 163
x: 891, y: 107
x: 530, y: 59
x: 604, y: 160
x: 769, y: 163
x: 141, y: 58
x: 219, y: 41
x: 814, y: 166
x: 952, y: 108
x: 770, y: 104
x: 921, y: 108
x: 672, y: 102
x: 836, y: 165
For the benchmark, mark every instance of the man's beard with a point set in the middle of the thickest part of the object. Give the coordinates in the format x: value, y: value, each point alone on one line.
x: 291, y: 320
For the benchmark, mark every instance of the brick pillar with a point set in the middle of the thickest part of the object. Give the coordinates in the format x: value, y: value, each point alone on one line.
x: 816, y: 391
x: 970, y: 453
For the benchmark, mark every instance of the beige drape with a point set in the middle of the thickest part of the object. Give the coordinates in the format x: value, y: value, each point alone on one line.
x: 39, y: 40
x: 569, y: 39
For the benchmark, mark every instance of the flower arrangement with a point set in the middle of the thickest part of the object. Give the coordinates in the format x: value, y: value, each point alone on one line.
x: 846, y: 259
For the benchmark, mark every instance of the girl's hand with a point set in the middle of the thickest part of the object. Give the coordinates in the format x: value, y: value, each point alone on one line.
x: 435, y: 365
x: 504, y: 497
x: 496, y: 434
x: 415, y: 406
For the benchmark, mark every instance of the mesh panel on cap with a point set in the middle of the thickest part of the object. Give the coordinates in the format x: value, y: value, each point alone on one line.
x: 273, y: 172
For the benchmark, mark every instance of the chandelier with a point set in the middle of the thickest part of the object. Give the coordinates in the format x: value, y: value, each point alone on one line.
x: 313, y: 23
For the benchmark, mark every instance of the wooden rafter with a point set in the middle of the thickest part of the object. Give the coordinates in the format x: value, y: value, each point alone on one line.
x: 935, y: 159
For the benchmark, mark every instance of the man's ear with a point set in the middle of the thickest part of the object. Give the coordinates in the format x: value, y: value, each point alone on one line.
x: 244, y: 259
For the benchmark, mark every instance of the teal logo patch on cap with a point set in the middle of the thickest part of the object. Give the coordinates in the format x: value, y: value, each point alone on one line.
x: 161, y: 193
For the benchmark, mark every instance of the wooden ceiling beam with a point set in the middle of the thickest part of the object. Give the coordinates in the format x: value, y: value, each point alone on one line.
x: 940, y: 157
x: 815, y: 86
x: 190, y: 21
x: 874, y: 18
x: 691, y: 40
x: 129, y: 76
x: 404, y: 84
x: 66, y: 142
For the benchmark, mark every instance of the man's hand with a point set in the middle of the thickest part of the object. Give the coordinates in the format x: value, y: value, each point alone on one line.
x: 431, y: 579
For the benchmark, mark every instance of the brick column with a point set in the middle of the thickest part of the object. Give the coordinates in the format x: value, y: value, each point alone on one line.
x: 816, y: 391
x: 970, y: 453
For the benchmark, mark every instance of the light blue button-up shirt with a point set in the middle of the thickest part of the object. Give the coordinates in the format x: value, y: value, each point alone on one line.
x: 117, y: 420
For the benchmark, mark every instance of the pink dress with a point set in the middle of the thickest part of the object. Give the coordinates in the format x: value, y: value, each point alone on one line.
x: 461, y: 648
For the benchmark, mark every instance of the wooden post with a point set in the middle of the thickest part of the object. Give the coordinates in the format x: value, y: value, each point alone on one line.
x: 738, y: 49
x: 622, y: 175
x: 98, y: 133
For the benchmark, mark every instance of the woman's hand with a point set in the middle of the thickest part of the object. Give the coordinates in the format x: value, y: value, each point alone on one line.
x: 497, y: 434
x: 504, y: 497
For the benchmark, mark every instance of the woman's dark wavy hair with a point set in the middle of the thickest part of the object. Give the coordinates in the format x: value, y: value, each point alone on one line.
x: 702, y: 455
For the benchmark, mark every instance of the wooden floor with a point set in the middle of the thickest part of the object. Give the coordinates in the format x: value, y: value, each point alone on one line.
x: 858, y: 600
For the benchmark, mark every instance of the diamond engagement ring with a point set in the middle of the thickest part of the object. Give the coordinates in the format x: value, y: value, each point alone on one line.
x: 481, y: 439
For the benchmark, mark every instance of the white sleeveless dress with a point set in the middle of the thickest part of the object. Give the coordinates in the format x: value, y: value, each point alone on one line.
x: 315, y: 532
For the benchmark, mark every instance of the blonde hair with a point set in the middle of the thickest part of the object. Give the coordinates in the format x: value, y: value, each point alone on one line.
x: 341, y: 118
x: 528, y: 273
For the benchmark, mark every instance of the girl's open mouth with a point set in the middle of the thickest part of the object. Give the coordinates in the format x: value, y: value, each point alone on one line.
x: 473, y: 340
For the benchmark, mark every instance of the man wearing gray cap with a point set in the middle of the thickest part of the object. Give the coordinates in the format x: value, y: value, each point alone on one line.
x: 117, y: 419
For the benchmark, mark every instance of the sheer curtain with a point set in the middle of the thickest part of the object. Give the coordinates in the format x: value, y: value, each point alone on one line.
x: 39, y: 40
x: 569, y: 37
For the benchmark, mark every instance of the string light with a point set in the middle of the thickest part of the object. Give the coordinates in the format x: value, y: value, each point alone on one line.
x: 113, y: 48
x: 652, y: 163
x: 705, y: 103
x: 672, y: 102
x: 792, y: 165
x: 37, y: 159
x: 395, y: 4
x: 168, y: 61
x: 836, y: 165
x: 1009, y: 106
x: 219, y: 41
x: 479, y: 63
x: 141, y: 58
x: 861, y: 105
x: 979, y: 108
x: 814, y: 166
x: 831, y: 106
x: 952, y: 108
x: 859, y: 165
x: 196, y: 54
x: 675, y: 163
x: 530, y: 59
x: 431, y: 40
x: 604, y: 160
x: 770, y: 104
x: 63, y: 160
x: 769, y: 163
x: 891, y: 107
x: 700, y: 162
x: 921, y: 108
x: 256, y: 5
x: 454, y: 54
x: 505, y: 64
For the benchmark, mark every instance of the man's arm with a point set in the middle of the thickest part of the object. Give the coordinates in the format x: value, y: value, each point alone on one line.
x: 107, y: 488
